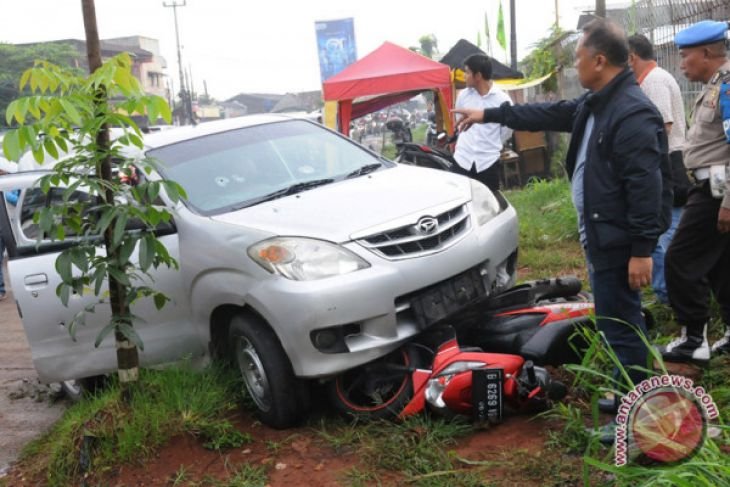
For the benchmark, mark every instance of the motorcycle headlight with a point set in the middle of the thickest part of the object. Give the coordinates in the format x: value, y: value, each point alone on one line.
x: 437, y: 385
x: 485, y: 203
x: 305, y: 259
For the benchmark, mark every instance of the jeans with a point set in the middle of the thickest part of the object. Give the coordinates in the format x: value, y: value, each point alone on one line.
x: 658, y: 283
x: 617, y: 305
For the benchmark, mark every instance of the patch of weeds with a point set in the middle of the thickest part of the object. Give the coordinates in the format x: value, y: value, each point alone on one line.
x: 546, y: 213
x: 275, y: 446
x: 549, y: 467
x: 248, y: 476
x: 180, y: 476
x: 548, y: 229
x: 573, y: 437
x: 414, y: 447
x: 221, y: 435
x: 341, y: 437
x: 164, y: 403
x: 359, y: 478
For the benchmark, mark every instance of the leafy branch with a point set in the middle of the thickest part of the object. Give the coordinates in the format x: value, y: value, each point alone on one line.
x: 113, y: 202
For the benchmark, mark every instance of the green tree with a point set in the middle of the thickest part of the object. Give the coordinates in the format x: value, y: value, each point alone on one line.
x: 429, y: 44
x: 67, y: 116
x: 14, y: 60
x: 547, y: 56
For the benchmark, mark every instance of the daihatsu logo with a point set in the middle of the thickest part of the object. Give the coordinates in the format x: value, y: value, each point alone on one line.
x: 427, y: 225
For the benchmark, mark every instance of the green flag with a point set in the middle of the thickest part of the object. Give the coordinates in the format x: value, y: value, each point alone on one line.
x: 487, y: 36
x: 501, y: 39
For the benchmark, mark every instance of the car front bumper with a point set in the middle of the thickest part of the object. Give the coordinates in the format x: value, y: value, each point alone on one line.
x: 368, y: 313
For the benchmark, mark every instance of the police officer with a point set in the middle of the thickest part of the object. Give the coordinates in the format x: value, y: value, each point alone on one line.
x: 698, y: 259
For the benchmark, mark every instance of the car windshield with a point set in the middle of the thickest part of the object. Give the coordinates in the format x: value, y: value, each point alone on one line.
x: 243, y: 167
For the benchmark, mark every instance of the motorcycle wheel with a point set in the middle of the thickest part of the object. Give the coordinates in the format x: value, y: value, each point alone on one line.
x: 378, y: 390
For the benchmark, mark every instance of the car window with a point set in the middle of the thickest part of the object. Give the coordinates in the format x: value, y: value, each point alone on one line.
x: 34, y: 199
x: 231, y: 169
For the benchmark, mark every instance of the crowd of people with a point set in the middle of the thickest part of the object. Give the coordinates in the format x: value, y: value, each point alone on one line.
x: 653, y: 204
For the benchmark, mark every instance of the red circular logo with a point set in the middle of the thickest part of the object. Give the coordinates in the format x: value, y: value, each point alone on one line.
x: 668, y: 425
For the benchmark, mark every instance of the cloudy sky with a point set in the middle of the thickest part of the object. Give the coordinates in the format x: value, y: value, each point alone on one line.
x: 269, y: 45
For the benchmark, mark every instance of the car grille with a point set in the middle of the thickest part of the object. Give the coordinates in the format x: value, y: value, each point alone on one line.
x: 417, y: 240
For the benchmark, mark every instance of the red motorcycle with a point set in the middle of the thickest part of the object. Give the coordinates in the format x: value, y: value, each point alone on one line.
x: 535, y: 321
x: 459, y: 380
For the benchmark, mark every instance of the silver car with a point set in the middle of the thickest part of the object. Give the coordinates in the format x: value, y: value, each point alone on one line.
x: 302, y: 254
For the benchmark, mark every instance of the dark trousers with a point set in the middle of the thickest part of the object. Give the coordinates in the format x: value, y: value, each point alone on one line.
x: 619, y: 318
x: 489, y: 177
x: 698, y: 261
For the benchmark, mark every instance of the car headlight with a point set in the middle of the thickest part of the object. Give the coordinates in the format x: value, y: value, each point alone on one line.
x: 305, y: 259
x: 486, y: 205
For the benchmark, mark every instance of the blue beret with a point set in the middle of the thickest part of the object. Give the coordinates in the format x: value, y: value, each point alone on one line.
x: 705, y: 32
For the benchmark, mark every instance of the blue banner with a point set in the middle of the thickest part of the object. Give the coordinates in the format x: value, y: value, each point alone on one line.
x: 335, y: 45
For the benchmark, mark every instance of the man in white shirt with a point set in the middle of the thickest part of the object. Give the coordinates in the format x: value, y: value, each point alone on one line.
x: 477, y: 150
x: 662, y: 89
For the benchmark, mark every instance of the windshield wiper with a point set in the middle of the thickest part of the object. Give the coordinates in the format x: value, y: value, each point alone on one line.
x: 366, y: 169
x: 293, y: 189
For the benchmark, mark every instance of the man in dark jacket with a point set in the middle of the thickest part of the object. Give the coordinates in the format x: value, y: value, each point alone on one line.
x: 615, y: 160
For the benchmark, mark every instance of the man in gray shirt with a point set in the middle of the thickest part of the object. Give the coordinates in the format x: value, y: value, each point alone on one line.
x: 662, y: 89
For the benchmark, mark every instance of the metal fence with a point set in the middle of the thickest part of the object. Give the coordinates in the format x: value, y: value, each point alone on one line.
x: 660, y: 20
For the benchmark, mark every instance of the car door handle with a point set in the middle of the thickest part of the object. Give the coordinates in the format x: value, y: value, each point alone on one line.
x: 36, y: 279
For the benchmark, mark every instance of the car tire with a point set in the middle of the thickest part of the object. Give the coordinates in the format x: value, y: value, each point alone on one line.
x: 373, y: 391
x: 281, y: 399
x: 77, y: 389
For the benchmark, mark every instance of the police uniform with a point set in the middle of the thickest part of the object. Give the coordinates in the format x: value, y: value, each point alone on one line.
x: 698, y: 259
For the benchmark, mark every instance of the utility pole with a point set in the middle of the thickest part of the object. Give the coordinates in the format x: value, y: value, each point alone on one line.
x: 601, y: 8
x: 557, y: 15
x: 513, y: 33
x: 184, y: 96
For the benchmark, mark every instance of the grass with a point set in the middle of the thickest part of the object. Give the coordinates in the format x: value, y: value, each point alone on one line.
x: 109, y: 432
x: 417, y: 449
x: 548, y: 230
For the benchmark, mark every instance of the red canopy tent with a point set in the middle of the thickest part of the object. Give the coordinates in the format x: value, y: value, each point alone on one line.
x: 388, y: 75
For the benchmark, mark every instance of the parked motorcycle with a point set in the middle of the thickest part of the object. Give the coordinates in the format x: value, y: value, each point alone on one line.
x: 401, y: 131
x: 434, y: 155
x: 507, y: 334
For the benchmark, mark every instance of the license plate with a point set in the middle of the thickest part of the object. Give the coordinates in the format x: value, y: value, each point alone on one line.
x: 448, y: 297
x: 487, y: 388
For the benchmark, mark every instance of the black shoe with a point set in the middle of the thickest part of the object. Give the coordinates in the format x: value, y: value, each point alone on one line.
x: 606, y: 405
x: 689, y: 347
x: 606, y: 434
x: 722, y: 346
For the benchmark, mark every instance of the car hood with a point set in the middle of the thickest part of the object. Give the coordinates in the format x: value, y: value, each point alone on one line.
x: 349, y: 209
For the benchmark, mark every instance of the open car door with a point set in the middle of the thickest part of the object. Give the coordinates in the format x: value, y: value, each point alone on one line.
x: 167, y: 334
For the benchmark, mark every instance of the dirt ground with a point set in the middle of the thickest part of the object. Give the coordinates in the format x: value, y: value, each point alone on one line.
x: 26, y: 407
x: 302, y: 457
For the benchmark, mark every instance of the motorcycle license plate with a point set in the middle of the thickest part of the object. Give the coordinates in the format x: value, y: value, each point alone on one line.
x: 448, y: 297
x: 487, y: 388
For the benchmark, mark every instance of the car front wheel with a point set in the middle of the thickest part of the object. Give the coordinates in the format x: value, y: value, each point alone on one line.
x: 281, y: 398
